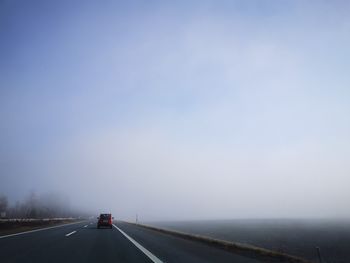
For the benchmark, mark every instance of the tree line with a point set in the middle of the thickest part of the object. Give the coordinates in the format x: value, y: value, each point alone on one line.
x: 36, y: 206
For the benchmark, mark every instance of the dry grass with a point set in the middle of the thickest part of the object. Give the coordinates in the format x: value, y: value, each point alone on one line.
x: 20, y: 225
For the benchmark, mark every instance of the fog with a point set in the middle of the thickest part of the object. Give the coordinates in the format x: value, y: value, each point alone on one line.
x: 172, y: 111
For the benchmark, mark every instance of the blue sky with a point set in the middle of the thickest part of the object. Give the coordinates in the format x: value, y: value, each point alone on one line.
x: 155, y: 97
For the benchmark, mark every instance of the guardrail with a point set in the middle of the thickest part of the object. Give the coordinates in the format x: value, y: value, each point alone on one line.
x: 37, y: 219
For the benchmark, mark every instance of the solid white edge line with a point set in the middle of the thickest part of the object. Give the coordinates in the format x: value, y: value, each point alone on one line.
x: 37, y: 230
x: 71, y: 233
x: 139, y: 246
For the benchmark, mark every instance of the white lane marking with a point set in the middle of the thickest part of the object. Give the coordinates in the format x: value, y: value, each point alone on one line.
x: 85, y: 225
x: 71, y: 233
x: 144, y: 250
x: 37, y: 230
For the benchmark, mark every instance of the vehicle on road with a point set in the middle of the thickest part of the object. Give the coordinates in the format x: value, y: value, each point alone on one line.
x: 105, y: 220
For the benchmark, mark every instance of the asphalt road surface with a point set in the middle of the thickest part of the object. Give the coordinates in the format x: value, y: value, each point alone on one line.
x: 83, y: 242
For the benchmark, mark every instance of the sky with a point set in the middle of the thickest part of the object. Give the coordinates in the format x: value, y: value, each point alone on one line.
x: 178, y: 110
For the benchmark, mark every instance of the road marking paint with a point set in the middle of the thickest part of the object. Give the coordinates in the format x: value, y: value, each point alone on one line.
x: 37, y: 230
x: 139, y: 246
x: 85, y: 225
x: 71, y: 233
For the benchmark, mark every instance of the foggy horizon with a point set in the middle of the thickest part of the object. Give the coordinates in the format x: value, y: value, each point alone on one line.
x: 177, y: 111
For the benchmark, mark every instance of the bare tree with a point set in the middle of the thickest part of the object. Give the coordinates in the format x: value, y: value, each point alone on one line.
x: 3, y: 205
x: 48, y: 205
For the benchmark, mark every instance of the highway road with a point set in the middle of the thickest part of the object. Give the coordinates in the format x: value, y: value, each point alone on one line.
x: 83, y: 242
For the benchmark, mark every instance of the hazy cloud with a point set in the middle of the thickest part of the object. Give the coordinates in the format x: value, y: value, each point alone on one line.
x: 187, y: 110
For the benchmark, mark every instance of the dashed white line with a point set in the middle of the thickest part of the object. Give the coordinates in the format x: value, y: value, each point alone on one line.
x: 37, y: 230
x: 85, y: 225
x: 71, y: 233
x: 144, y: 250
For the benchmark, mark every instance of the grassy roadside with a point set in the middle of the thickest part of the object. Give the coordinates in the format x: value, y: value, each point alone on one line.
x: 265, y: 255
x: 16, y: 226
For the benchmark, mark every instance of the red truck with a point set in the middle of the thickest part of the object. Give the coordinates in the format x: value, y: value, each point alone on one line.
x: 105, y: 220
